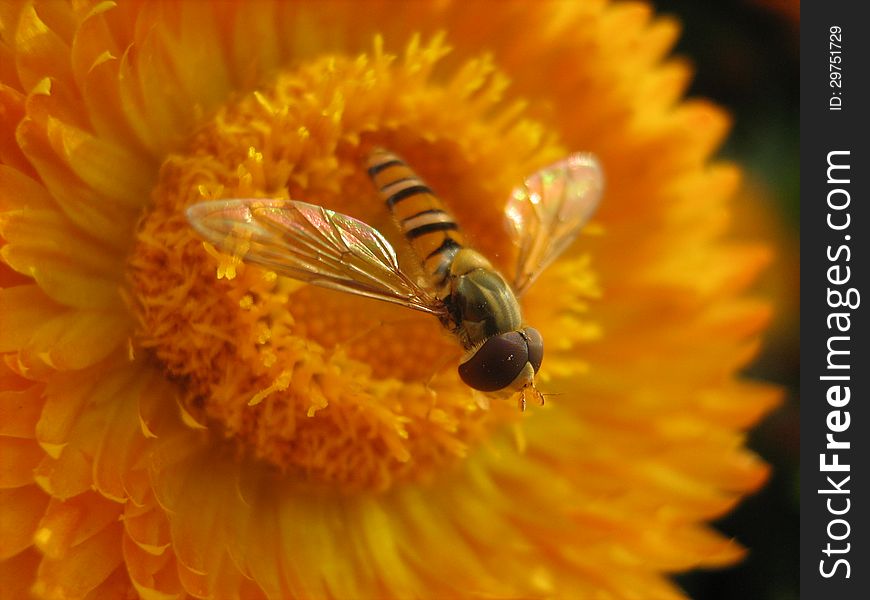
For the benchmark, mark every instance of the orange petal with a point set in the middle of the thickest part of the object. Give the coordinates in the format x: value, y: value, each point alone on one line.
x: 65, y: 396
x: 67, y: 476
x: 154, y: 576
x: 12, y: 107
x: 40, y: 52
x: 116, y: 586
x: 198, y: 523
x: 62, y: 280
x: 48, y: 233
x: 18, y: 190
x: 8, y: 72
x: 254, y: 56
x: 9, y: 278
x: 703, y: 127
x: 23, y: 309
x: 18, y: 573
x: 69, y: 522
x: 263, y: 556
x: 147, y: 528
x: 102, y: 96
x: 19, y: 412
x: 111, y: 171
x: 132, y: 103
x: 197, y: 55
x: 146, y: 78
x: 76, y: 339
x: 77, y: 426
x: 105, y: 221
x: 10, y: 380
x: 18, y: 459
x: 59, y: 16
x: 740, y: 403
x: 709, y: 548
x: 50, y: 100
x: 83, y: 568
x: 120, y: 443
x: 92, y: 38
x: 20, y: 511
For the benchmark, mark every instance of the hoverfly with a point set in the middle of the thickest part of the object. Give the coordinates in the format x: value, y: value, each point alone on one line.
x: 461, y: 287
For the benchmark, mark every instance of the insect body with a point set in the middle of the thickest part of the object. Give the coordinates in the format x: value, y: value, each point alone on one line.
x: 481, y: 308
x: 467, y: 294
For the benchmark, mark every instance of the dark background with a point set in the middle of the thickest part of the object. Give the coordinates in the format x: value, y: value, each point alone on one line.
x: 746, y: 58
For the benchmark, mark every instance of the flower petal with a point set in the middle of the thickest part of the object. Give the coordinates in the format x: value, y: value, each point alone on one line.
x: 199, y: 513
x: 20, y: 511
x: 197, y: 56
x: 120, y: 443
x: 12, y: 105
x: 19, y: 412
x: 254, y: 56
x: 67, y: 523
x: 67, y: 476
x: 18, y: 459
x: 17, y: 573
x: 23, y: 309
x: 148, y: 528
x: 111, y: 171
x: 40, y: 52
x: 83, y: 568
x: 17, y: 191
x: 61, y: 279
x: 65, y: 396
x: 76, y: 339
x: 155, y: 576
x: 102, y: 219
x: 77, y: 412
x: 92, y: 39
x: 116, y: 585
x: 102, y: 95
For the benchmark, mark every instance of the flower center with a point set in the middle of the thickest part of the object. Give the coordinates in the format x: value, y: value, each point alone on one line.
x: 336, y: 388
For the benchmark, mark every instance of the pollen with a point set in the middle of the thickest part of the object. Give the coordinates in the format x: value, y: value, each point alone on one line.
x: 340, y: 389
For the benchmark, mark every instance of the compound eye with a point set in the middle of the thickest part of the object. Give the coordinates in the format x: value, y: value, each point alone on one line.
x: 536, y: 347
x: 496, y: 363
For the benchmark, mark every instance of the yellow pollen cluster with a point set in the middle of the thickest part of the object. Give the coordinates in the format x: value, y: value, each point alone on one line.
x: 344, y: 390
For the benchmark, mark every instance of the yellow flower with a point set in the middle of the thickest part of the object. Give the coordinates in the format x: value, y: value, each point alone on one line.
x: 169, y: 433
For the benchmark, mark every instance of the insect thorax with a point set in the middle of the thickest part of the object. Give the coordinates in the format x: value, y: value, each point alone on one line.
x: 481, y: 303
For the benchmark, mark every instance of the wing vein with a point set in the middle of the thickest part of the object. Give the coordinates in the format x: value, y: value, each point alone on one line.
x: 312, y: 244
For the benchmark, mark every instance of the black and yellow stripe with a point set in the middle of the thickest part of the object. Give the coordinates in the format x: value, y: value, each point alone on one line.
x: 426, y: 223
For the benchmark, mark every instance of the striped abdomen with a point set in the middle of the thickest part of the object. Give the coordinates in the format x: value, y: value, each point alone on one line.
x: 428, y: 226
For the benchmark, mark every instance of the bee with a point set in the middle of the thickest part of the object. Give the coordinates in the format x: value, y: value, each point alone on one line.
x: 471, y: 299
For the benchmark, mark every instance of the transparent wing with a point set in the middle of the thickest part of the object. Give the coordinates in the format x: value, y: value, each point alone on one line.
x: 545, y: 214
x: 311, y: 244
